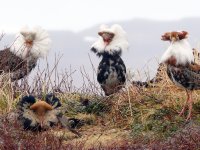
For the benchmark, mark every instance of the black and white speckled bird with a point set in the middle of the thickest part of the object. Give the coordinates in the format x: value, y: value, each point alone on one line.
x: 181, y: 68
x: 37, y: 115
x: 111, y: 72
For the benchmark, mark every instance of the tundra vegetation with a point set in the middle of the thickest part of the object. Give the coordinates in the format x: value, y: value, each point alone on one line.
x: 134, y: 118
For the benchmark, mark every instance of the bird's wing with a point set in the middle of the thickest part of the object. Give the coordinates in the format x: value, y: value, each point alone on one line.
x: 121, y: 70
x: 194, y: 67
x: 9, y: 62
x: 192, y: 73
x: 14, y: 65
x: 185, y: 76
x: 24, y: 70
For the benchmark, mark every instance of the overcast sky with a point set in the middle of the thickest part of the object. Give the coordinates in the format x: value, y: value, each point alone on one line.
x: 77, y: 15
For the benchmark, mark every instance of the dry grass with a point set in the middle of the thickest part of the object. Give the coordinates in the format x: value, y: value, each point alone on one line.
x: 135, y: 118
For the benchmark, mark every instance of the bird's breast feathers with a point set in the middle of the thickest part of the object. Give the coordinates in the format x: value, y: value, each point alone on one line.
x: 180, y: 51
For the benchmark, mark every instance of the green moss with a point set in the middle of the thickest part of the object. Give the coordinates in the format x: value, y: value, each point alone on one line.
x: 161, y: 123
x: 96, y: 107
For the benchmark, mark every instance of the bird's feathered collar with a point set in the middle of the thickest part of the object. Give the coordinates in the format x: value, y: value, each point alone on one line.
x: 181, y: 51
x: 118, y: 44
x: 41, y: 44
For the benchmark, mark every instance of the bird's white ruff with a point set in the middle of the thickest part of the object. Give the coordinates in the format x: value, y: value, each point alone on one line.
x: 181, y: 50
x: 41, y: 44
x: 119, y: 42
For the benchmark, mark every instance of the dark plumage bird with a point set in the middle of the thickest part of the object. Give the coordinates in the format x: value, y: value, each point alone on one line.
x: 181, y: 68
x: 37, y: 115
x: 21, y: 57
x: 111, y: 73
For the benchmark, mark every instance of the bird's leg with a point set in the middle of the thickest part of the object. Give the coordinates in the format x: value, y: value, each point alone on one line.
x: 190, y: 102
x: 186, y: 102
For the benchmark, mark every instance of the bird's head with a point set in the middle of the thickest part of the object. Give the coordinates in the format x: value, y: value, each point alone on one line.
x: 179, y: 52
x: 40, y: 109
x: 29, y: 38
x: 31, y: 42
x: 174, y: 36
x: 111, y: 40
x: 37, y: 115
x: 107, y: 37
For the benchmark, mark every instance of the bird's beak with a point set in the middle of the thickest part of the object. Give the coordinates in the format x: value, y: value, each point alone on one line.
x: 29, y: 42
x: 106, y: 43
x: 41, y: 120
x: 173, y: 39
x: 29, y: 38
x: 163, y: 37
